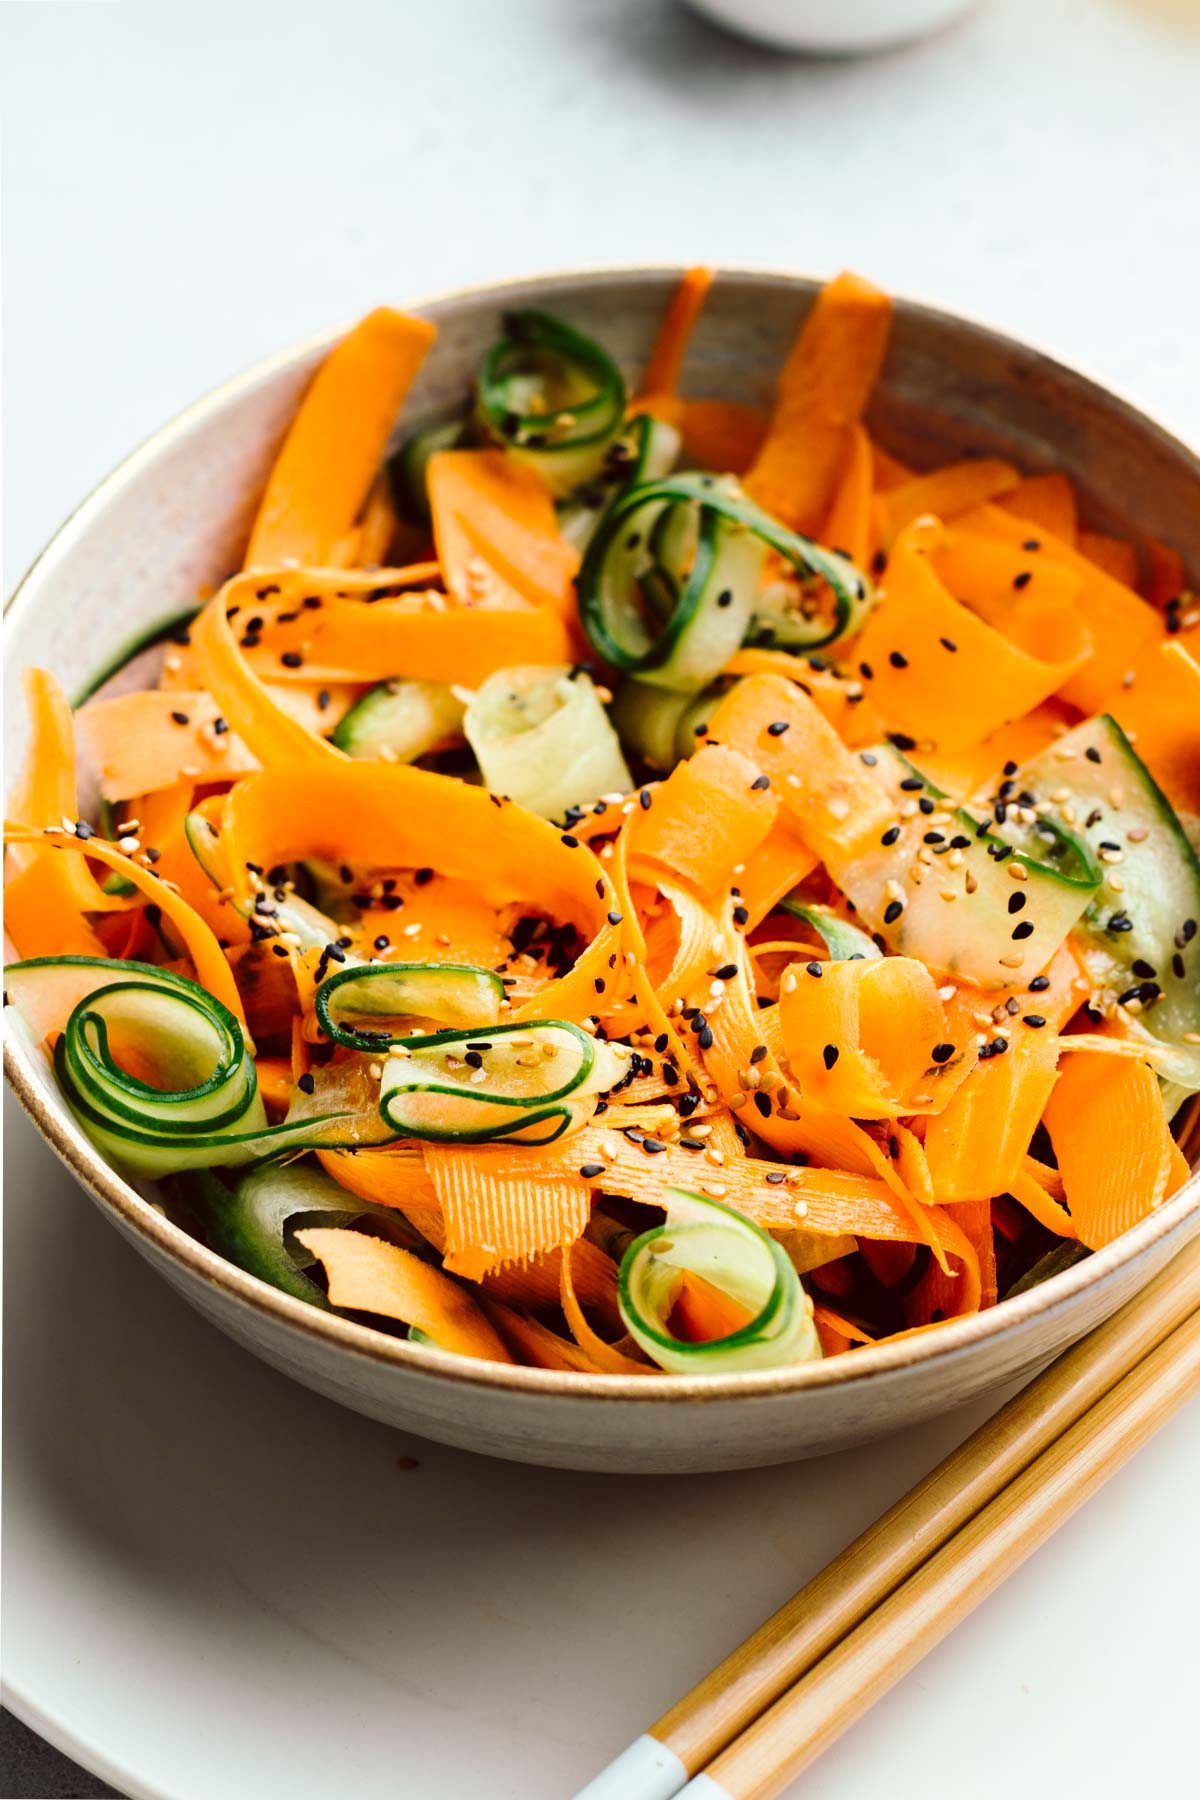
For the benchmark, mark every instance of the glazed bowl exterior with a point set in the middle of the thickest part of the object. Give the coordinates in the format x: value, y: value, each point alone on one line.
x: 175, y: 516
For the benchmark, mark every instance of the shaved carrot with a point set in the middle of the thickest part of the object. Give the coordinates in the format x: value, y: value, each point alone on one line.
x: 496, y: 532
x: 211, y: 968
x: 823, y: 391
x: 955, y: 696
x: 371, y: 1276
x: 605, y: 1356
x: 1116, y: 556
x: 1121, y: 625
x: 977, y: 1145
x: 1164, y: 573
x: 724, y: 435
x: 702, y: 1313
x: 1046, y: 500
x: 707, y: 814
x: 890, y: 472
x: 143, y: 742
x: 1115, y: 1152
x: 835, y: 804
x: 323, y: 474
x: 779, y: 864
x: 869, y: 1038
x: 666, y: 359
x: 947, y: 492
x: 849, y: 525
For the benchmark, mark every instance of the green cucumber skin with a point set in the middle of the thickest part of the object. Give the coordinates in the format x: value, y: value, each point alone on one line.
x: 567, y: 444
x: 408, y: 469
x: 144, y: 640
x: 248, y: 1223
x: 1160, y: 877
x: 382, y: 719
x: 968, y: 938
x: 843, y: 941
x: 715, y: 501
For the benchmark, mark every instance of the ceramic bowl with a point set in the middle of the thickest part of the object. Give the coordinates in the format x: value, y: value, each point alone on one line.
x: 175, y: 516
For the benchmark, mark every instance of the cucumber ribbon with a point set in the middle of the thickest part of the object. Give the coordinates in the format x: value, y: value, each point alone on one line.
x: 703, y: 1238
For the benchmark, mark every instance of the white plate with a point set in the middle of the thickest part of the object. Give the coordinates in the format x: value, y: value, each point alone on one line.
x: 218, y: 1584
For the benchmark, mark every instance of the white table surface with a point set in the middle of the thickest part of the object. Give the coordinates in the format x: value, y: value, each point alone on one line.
x: 188, y: 188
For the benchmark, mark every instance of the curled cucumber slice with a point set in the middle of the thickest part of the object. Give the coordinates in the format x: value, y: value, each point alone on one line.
x: 528, y: 1083
x: 450, y: 993
x: 672, y: 582
x: 705, y: 1239
x: 552, y: 397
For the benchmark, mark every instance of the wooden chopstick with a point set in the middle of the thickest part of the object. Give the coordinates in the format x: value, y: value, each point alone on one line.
x: 856, y: 1672
x: 775, y: 1657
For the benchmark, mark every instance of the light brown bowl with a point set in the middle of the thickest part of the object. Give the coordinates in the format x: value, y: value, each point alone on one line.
x: 175, y: 515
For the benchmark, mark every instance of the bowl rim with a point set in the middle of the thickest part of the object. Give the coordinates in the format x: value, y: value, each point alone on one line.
x: 1177, y: 1220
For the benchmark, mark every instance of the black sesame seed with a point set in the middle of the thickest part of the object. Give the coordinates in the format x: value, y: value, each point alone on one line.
x: 898, y: 660
x: 1023, y: 930
x: 1023, y: 579
x: 1092, y: 754
x: 911, y: 784
x: 726, y: 972
x: 890, y: 835
x: 572, y: 843
x: 758, y: 1053
x: 646, y: 799
x: 948, y: 644
x: 894, y: 909
x: 927, y: 805
x: 307, y: 1084
x: 778, y: 727
x: 760, y: 785
x: 598, y: 984
x: 740, y: 915
x: 323, y: 699
x: 725, y: 597
x: 1016, y: 902
x: 830, y: 1055
x: 1035, y: 1020
x: 180, y: 718
x: 1039, y: 984
x: 1177, y: 968
x: 942, y: 1053
x: 814, y: 968
x: 423, y: 876
x: 763, y: 1103
x: 775, y: 1176
x: 936, y: 837
x: 652, y: 1146
x: 704, y: 1037
x: 292, y: 659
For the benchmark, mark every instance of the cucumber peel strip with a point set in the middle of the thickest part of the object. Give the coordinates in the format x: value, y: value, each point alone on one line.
x: 703, y: 1237
x: 709, y: 576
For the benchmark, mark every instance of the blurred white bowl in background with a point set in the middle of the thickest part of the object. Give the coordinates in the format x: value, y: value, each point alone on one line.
x: 832, y: 27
